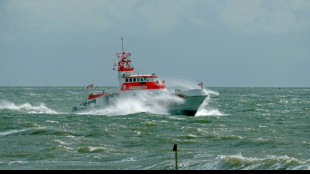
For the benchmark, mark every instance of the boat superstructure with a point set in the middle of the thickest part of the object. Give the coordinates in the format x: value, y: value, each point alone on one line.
x: 132, y: 83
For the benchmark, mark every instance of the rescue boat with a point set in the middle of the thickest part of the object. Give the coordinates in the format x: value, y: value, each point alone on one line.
x: 132, y: 84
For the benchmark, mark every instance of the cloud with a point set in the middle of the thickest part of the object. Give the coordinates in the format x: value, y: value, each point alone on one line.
x: 58, y: 15
x: 163, y: 14
x: 98, y: 15
x: 144, y: 16
x: 277, y: 16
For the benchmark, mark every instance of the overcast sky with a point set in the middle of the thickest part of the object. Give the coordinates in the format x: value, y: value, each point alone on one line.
x: 221, y: 42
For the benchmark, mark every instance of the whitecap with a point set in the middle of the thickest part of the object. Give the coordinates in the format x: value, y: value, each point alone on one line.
x: 142, y: 102
x: 273, y: 162
x: 9, y: 132
x: 27, y: 107
x: 209, y: 112
x: 205, y: 110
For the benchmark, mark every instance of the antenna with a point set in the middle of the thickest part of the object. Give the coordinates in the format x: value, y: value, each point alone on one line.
x: 122, y: 46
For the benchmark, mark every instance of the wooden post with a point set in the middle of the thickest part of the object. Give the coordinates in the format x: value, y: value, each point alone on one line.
x: 175, y: 149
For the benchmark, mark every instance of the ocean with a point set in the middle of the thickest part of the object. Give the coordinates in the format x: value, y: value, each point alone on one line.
x: 237, y: 128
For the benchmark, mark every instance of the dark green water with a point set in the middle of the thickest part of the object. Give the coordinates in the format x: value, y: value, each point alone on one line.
x: 238, y: 128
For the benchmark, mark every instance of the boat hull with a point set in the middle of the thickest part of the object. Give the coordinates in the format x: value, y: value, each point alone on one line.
x: 189, y: 105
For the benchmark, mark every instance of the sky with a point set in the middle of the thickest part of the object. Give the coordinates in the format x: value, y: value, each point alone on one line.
x: 224, y: 43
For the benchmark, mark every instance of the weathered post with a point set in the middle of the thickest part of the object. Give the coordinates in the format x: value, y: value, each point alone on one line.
x: 175, y: 149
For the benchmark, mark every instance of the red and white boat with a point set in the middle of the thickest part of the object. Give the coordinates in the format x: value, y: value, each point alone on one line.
x: 134, y: 84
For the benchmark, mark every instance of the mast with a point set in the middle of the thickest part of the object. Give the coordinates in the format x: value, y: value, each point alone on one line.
x: 123, y: 66
x: 122, y: 46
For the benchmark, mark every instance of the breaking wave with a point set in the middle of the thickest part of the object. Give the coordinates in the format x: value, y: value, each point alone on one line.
x: 270, y: 162
x: 205, y: 109
x: 142, y: 102
x: 27, y: 107
x: 9, y: 132
x: 146, y: 102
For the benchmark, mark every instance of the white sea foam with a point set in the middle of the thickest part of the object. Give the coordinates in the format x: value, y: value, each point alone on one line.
x: 271, y: 161
x: 209, y: 112
x: 145, y: 102
x: 27, y: 107
x: 51, y: 121
x: 205, y: 109
x: 142, y: 102
x: 9, y: 132
x: 8, y: 105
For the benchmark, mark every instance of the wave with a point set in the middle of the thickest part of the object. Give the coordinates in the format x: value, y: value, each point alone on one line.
x: 205, y: 109
x: 9, y: 132
x: 142, y: 102
x: 270, y: 162
x: 209, y: 112
x: 27, y: 107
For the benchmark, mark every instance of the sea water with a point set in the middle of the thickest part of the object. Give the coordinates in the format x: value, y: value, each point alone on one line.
x: 235, y: 129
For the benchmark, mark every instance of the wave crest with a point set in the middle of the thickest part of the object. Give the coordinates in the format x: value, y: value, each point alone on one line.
x: 270, y: 162
x: 205, y: 109
x: 27, y: 107
x: 142, y: 102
